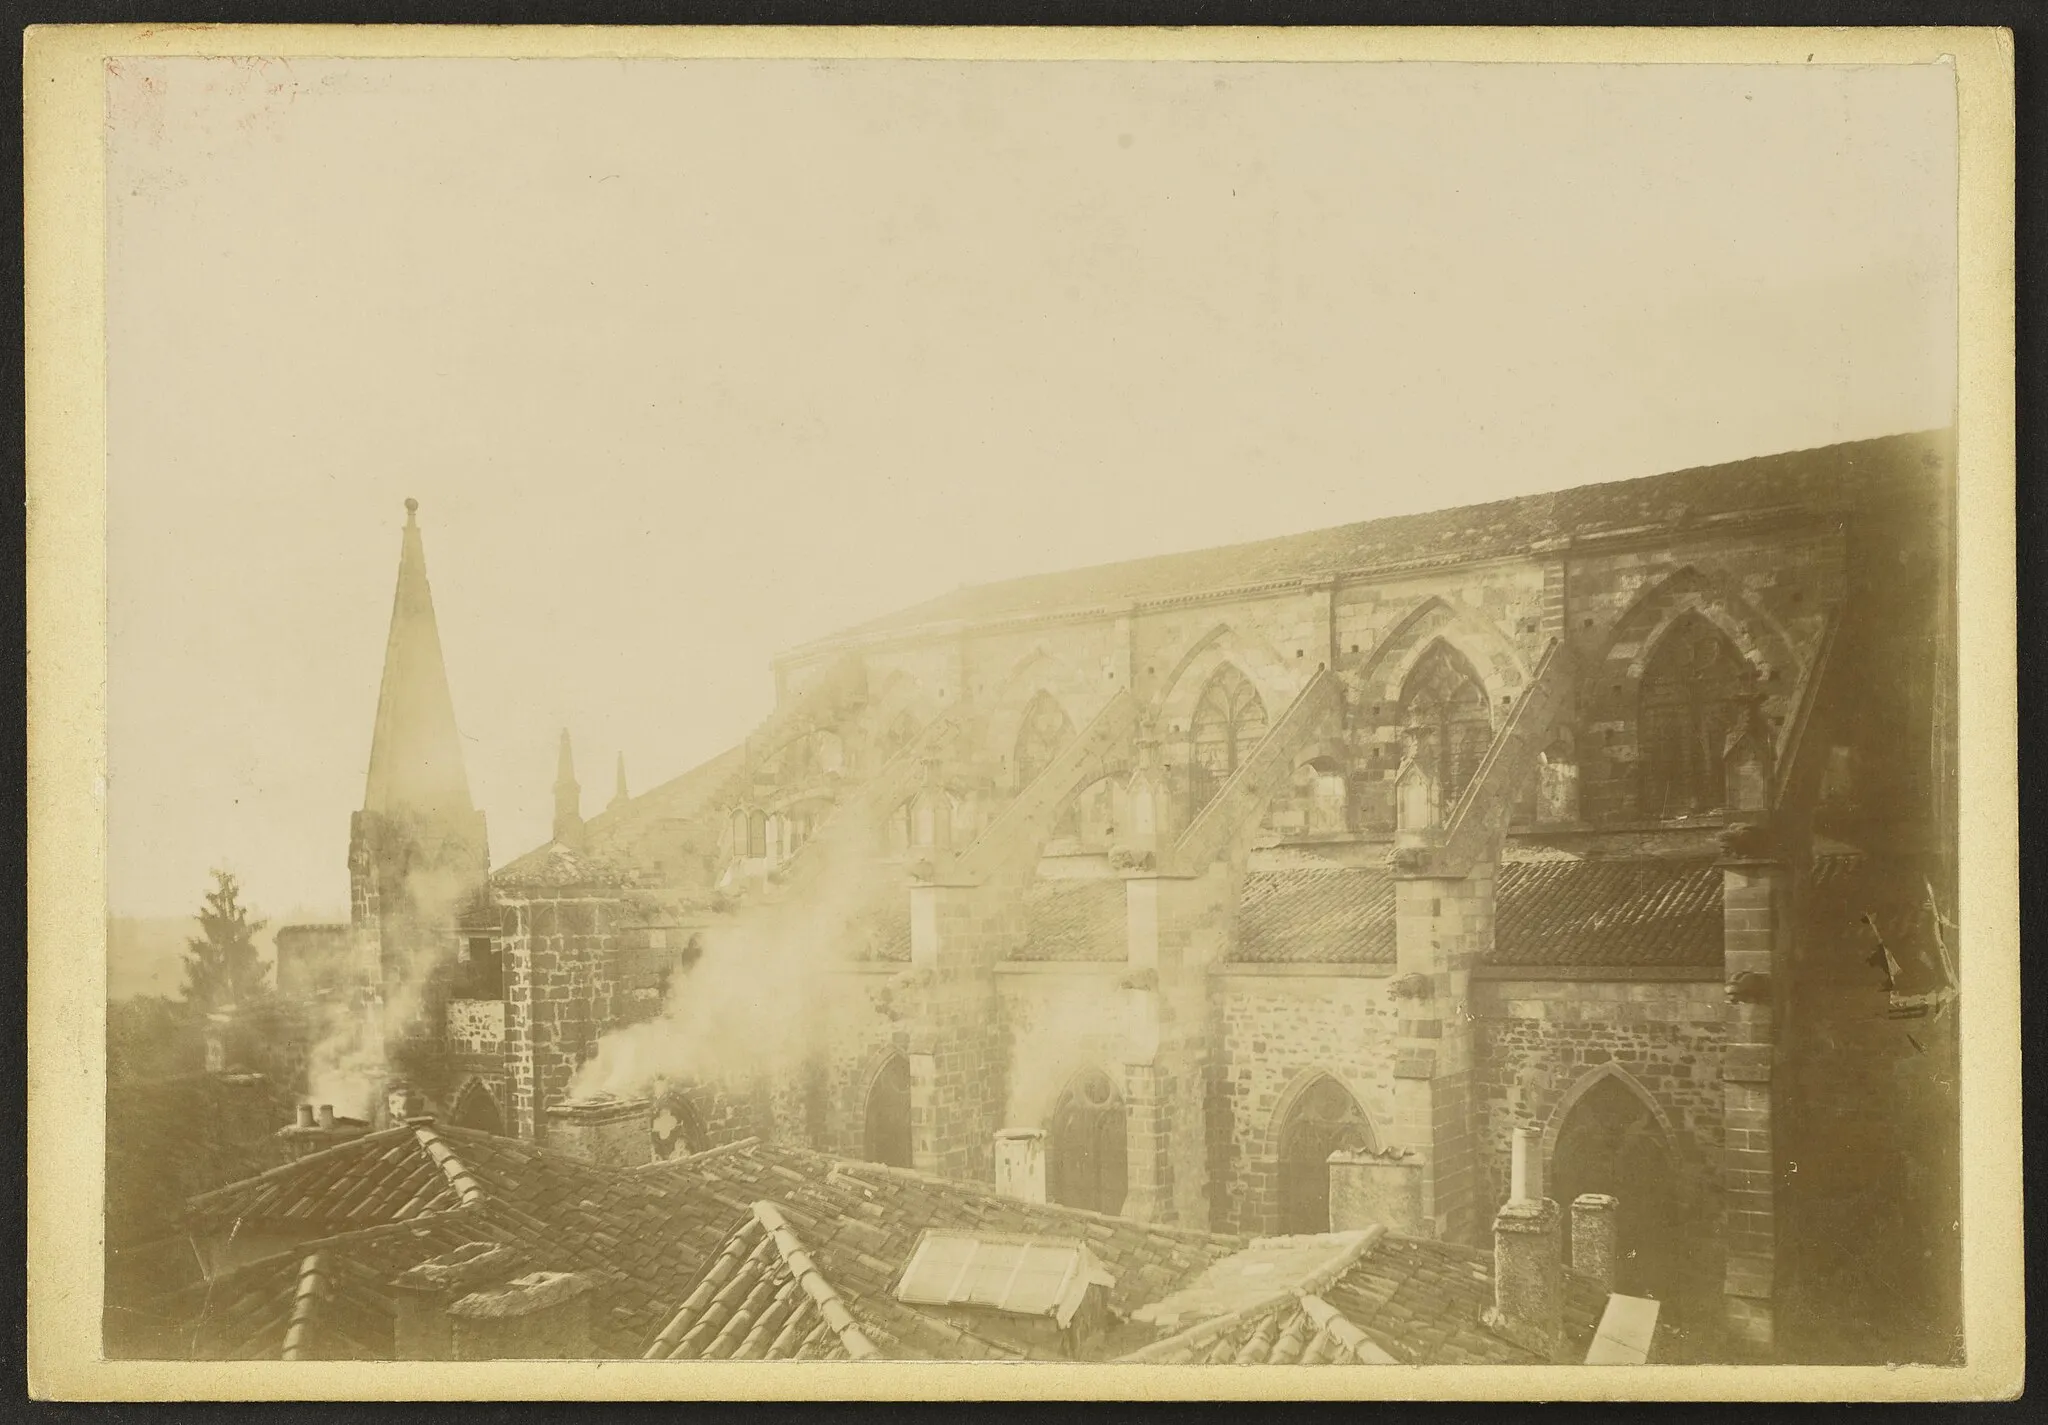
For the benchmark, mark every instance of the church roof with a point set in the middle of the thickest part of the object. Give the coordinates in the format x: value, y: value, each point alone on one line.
x: 415, y: 750
x: 1637, y: 912
x: 1816, y: 478
x: 1329, y: 914
x: 1078, y: 919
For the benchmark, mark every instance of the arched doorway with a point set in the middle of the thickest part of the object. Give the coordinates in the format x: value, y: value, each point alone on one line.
x: 1611, y: 1142
x: 478, y: 1110
x: 674, y: 1130
x: 1086, y: 1160
x: 886, y: 1137
x: 1323, y: 1118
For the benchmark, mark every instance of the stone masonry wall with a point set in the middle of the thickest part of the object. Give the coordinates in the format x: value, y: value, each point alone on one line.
x: 1540, y: 1038
x: 1279, y: 1032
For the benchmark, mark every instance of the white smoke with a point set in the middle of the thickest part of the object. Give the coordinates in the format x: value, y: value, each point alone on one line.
x: 751, y: 1003
x: 347, y: 1065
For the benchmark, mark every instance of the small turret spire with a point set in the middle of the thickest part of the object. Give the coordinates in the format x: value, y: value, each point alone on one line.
x: 568, y: 795
x: 619, y: 797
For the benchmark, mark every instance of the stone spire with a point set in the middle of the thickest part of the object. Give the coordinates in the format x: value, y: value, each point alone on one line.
x: 415, y: 750
x: 619, y: 796
x: 568, y: 796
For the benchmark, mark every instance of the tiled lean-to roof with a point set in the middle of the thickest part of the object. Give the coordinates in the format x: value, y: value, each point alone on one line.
x: 1078, y: 919
x: 1639, y: 912
x: 1547, y: 913
x: 1321, y: 914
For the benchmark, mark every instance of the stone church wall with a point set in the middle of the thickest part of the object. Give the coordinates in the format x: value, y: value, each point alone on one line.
x: 1277, y: 1032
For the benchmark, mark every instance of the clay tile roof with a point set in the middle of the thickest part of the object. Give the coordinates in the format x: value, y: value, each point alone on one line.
x: 1832, y: 476
x: 376, y: 1178
x: 762, y: 1299
x: 1323, y: 914
x: 1382, y: 1299
x: 1074, y: 920
x: 1640, y: 912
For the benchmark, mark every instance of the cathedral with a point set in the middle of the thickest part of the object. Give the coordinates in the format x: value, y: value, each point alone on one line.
x: 1273, y: 889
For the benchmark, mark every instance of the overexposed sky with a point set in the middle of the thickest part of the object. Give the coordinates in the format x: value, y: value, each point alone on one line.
x: 691, y: 361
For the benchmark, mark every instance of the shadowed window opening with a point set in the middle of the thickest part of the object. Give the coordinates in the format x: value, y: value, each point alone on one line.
x: 1449, y: 724
x: 1045, y: 731
x: 1229, y: 720
x: 887, y: 1135
x: 478, y: 1110
x: 1323, y: 1119
x: 1086, y: 1158
x: 1692, y: 698
x: 1612, y: 1143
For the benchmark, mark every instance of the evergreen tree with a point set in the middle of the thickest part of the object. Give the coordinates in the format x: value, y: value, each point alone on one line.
x: 221, y: 967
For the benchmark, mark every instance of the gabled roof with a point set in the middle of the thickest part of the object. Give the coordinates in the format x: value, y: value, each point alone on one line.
x: 1837, y: 475
x: 762, y: 1299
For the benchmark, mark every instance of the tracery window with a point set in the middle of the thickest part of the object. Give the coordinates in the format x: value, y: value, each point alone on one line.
x: 1692, y: 697
x: 1228, y: 722
x: 1444, y: 708
x: 1046, y: 729
x: 886, y: 1132
x: 1323, y: 1119
x: 1086, y: 1163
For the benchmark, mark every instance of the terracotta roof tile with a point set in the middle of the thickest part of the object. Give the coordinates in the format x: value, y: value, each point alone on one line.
x: 1074, y: 920
x: 1639, y: 912
x: 1333, y: 915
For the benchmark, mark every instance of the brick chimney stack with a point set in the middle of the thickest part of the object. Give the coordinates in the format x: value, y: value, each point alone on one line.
x: 1528, y: 1277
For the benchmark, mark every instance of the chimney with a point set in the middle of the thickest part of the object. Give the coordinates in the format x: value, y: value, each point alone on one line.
x: 1594, y: 1254
x: 1020, y: 1163
x: 315, y: 1127
x: 616, y: 1132
x: 422, y: 1329
x: 1383, y: 1188
x: 540, y: 1316
x: 1528, y: 1277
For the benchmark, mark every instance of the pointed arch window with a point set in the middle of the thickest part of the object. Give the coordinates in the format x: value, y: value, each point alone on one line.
x: 1444, y: 709
x: 1323, y: 1119
x: 1229, y: 720
x: 757, y: 834
x: 886, y: 1133
x: 1086, y: 1163
x: 1045, y: 730
x: 1610, y: 1142
x: 1693, y: 692
x: 478, y: 1110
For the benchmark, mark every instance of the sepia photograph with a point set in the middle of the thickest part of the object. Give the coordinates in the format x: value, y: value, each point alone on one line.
x: 1058, y: 709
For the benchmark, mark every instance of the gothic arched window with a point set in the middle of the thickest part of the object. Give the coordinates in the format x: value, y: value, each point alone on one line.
x: 477, y: 1109
x: 1046, y: 729
x: 674, y: 1129
x: 1086, y: 1159
x: 1692, y: 698
x: 757, y: 834
x: 886, y: 1136
x: 1443, y: 706
x: 1324, y: 1118
x: 1229, y: 720
x: 1611, y: 1143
